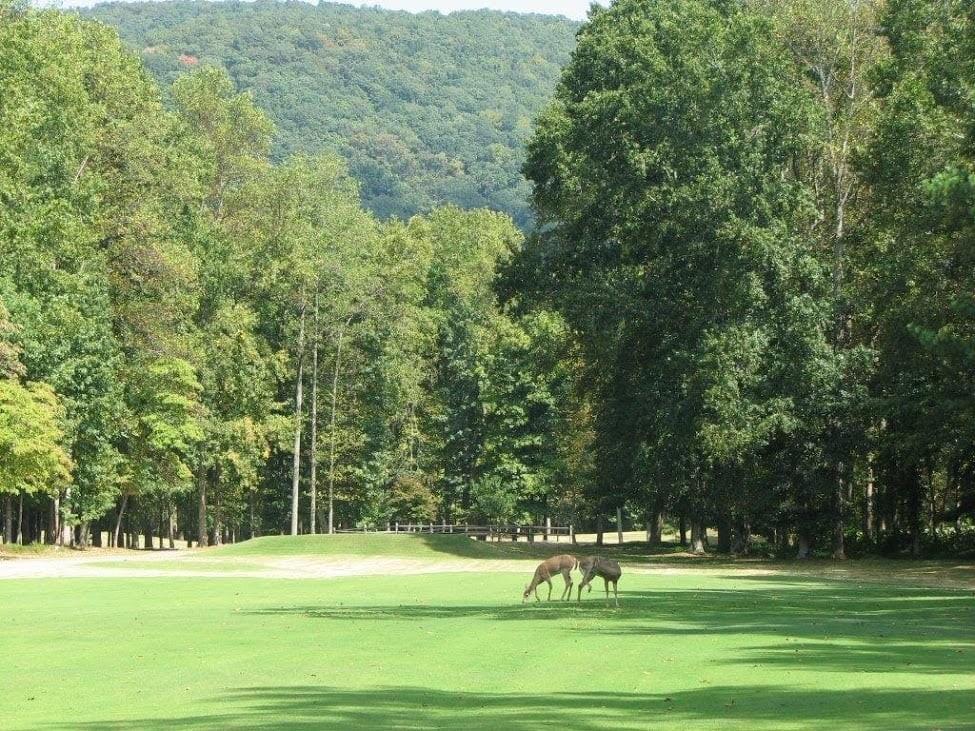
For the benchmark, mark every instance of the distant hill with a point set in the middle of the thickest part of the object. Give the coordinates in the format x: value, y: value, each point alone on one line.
x: 427, y: 108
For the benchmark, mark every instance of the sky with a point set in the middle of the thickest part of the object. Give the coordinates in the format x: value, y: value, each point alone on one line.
x: 572, y: 8
x: 575, y: 9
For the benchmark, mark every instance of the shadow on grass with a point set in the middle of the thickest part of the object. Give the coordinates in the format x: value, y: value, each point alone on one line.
x: 401, y: 707
x: 823, y: 626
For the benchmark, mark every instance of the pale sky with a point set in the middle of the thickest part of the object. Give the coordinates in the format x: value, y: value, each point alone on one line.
x: 572, y: 8
x: 575, y: 9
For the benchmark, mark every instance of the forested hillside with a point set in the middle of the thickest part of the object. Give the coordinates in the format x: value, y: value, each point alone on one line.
x: 427, y: 108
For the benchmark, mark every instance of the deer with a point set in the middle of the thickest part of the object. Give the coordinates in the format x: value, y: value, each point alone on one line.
x: 605, y: 568
x: 564, y: 565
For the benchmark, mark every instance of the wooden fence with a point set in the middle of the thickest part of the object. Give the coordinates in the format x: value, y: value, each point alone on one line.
x: 482, y: 532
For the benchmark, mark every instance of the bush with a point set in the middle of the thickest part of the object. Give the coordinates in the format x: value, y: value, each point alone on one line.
x: 411, y: 500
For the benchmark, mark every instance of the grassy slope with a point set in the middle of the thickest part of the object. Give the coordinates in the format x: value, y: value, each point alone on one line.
x: 414, y: 652
x: 405, y: 546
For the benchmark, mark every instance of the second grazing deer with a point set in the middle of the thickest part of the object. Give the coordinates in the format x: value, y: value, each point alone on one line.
x: 605, y: 568
x: 546, y: 570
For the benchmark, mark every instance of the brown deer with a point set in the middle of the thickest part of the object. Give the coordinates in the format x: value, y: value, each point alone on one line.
x: 607, y: 569
x: 546, y: 570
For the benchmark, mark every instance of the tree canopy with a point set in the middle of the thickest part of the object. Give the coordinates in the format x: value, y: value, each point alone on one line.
x: 426, y: 108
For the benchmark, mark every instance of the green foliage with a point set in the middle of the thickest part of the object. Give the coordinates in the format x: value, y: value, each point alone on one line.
x: 427, y: 108
x: 494, y: 501
x: 412, y: 501
x: 31, y: 456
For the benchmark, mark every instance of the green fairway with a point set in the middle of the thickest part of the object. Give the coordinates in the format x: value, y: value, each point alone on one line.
x: 460, y: 650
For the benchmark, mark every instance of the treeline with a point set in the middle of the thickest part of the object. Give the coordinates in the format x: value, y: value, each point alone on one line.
x: 427, y: 109
x: 198, y: 343
x: 757, y: 216
x: 749, y: 303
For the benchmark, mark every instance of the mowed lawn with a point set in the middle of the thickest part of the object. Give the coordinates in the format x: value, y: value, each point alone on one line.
x: 461, y: 651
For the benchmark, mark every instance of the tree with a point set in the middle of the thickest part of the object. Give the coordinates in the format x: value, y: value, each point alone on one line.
x: 31, y: 456
x: 674, y: 236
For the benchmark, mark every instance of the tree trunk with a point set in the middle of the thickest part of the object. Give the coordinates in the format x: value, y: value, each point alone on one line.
x: 118, y: 522
x: 296, y: 461
x: 51, y: 537
x: 868, y: 527
x: 655, y: 525
x: 20, y: 520
x: 172, y: 528
x: 332, y: 426
x: 724, y: 534
x: 8, y: 518
x: 619, y: 526
x: 741, y: 537
x: 202, y: 539
x: 67, y: 535
x: 839, y: 515
x: 682, y: 527
x: 218, y: 522
x: 313, y: 489
x: 697, y: 537
x: 804, y: 550
x: 914, y: 510
x: 599, y: 529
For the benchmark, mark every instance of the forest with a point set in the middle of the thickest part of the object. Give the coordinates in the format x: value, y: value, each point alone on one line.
x: 746, y: 302
x: 426, y: 109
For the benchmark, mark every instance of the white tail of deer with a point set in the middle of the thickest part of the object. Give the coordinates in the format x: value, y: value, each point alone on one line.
x: 563, y: 564
x: 607, y: 569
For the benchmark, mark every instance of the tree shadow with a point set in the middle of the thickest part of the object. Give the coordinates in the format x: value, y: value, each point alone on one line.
x: 823, y: 626
x: 402, y: 707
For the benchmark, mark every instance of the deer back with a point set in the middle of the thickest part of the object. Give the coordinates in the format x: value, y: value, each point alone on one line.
x: 555, y: 565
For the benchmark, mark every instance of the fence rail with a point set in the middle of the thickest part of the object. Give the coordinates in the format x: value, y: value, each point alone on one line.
x: 514, y: 532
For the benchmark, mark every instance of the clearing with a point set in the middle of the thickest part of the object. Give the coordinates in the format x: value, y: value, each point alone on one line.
x: 416, y: 632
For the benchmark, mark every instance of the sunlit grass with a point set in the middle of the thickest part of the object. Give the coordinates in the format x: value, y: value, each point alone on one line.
x: 460, y: 650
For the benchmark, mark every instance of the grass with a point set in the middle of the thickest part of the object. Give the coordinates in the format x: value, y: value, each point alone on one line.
x: 13, y: 550
x: 416, y: 545
x: 188, y: 564
x: 460, y: 650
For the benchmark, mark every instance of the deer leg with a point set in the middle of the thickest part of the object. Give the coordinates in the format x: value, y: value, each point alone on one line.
x: 549, y: 582
x: 606, y: 585
x: 586, y: 578
x: 567, y: 591
x: 616, y: 594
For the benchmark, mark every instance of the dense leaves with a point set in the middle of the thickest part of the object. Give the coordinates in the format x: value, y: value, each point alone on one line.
x: 426, y: 108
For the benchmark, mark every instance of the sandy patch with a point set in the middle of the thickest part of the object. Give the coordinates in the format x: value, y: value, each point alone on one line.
x: 195, y: 564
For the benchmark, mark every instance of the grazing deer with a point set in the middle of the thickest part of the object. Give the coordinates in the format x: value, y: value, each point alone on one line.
x: 546, y: 570
x: 605, y: 568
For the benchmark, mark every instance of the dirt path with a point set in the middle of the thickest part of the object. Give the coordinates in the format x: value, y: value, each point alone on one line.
x: 191, y: 563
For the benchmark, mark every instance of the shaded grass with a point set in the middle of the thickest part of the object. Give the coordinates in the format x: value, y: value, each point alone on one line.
x: 460, y: 650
